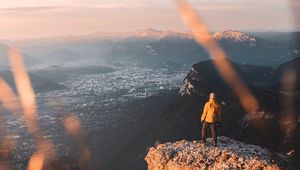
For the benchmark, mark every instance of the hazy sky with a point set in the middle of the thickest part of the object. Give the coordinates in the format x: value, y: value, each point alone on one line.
x: 41, y: 18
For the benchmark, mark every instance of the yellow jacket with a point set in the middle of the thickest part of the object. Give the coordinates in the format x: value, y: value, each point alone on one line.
x: 211, y: 112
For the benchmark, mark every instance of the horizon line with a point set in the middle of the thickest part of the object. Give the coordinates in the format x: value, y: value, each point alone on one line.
x: 140, y: 29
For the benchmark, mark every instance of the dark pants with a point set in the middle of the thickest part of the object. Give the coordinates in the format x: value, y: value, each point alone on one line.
x: 213, y: 132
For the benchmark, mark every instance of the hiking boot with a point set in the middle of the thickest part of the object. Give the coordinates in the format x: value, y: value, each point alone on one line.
x: 203, y: 142
x: 214, y: 144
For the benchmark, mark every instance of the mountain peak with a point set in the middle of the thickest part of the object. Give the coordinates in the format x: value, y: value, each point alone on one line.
x: 229, y: 154
x: 150, y: 32
x: 233, y: 35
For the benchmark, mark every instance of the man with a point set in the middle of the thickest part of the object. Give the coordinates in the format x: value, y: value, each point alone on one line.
x: 211, y: 117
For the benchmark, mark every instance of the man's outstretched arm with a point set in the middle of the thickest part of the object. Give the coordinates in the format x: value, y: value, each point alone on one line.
x: 219, y: 115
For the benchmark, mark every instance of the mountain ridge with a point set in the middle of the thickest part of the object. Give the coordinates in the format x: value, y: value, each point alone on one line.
x: 140, y: 33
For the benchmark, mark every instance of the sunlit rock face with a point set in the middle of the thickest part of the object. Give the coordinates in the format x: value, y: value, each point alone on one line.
x: 187, y: 87
x: 229, y: 154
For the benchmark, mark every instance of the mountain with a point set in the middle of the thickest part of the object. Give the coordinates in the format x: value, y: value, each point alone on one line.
x: 181, y: 118
x: 59, y: 56
x: 3, y: 54
x: 229, y: 154
x: 204, y: 74
x: 149, y: 33
x: 240, y: 47
x: 198, y: 84
x: 261, y: 75
x: 183, y: 50
x: 291, y: 70
x: 123, y: 50
x: 28, y: 60
x: 39, y: 83
x: 235, y: 36
x: 291, y: 38
x: 255, y: 50
x: 107, y: 47
x: 58, y: 74
x: 204, y: 78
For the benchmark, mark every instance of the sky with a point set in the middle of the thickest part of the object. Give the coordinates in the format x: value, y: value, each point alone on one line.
x: 22, y: 19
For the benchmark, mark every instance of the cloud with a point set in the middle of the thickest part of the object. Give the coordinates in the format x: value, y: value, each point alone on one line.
x: 221, y: 8
x: 120, y: 6
x: 30, y: 8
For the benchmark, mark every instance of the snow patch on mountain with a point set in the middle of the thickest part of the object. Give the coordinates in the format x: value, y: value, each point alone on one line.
x: 235, y: 36
x: 151, y: 51
x: 229, y: 154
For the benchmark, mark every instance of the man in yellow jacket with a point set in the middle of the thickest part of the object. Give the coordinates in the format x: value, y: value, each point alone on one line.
x: 211, y: 117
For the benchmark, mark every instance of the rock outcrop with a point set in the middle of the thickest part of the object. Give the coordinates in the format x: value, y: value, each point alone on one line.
x: 229, y: 154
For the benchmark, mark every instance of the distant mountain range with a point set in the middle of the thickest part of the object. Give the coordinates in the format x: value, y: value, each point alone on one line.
x: 283, y: 37
x: 149, y: 33
x: 154, y: 48
x: 240, y: 47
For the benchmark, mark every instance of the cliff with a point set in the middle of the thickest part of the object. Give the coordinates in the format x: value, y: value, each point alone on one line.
x: 229, y: 154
